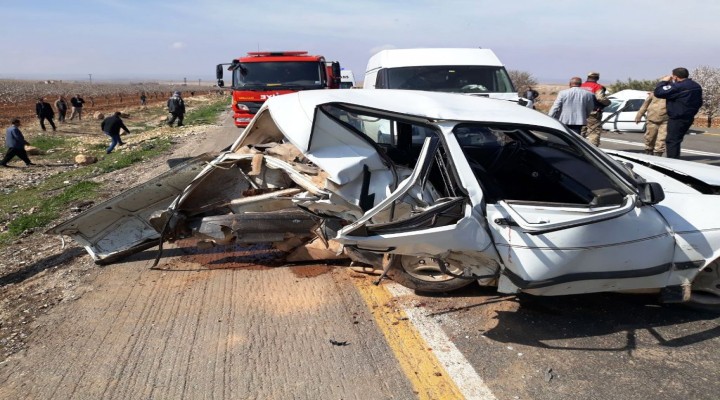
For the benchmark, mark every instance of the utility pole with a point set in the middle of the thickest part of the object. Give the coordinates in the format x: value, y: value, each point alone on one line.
x: 184, y: 81
x: 90, y: 75
x: 199, y: 80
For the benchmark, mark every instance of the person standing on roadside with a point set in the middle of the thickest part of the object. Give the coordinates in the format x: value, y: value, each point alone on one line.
x: 77, y: 105
x: 44, y: 111
x: 593, y: 130
x: 176, y: 107
x: 572, y: 106
x: 684, y: 99
x: 531, y: 95
x: 656, y: 118
x: 111, y: 126
x: 61, y: 107
x: 15, y: 143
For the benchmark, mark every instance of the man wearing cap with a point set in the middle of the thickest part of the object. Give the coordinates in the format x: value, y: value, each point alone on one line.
x: 683, y: 98
x: 176, y: 107
x: 593, y: 129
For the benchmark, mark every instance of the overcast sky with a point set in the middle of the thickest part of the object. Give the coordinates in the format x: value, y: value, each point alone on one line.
x: 552, y: 39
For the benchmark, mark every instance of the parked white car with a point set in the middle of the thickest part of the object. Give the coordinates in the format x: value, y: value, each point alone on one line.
x: 620, y: 114
x: 460, y: 189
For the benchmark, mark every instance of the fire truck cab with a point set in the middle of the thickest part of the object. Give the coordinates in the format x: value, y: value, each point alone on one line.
x: 264, y: 74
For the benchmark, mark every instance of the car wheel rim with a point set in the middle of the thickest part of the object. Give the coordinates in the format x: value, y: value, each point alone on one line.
x: 427, y: 269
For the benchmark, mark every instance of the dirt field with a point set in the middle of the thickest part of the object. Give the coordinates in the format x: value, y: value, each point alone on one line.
x: 36, y: 272
x: 18, y: 98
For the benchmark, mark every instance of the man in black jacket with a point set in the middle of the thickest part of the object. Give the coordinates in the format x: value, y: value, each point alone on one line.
x: 684, y: 99
x: 111, y: 126
x: 77, y: 105
x: 44, y: 111
x: 176, y: 107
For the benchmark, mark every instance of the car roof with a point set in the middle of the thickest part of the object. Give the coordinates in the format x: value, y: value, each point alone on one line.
x: 629, y: 94
x: 294, y: 112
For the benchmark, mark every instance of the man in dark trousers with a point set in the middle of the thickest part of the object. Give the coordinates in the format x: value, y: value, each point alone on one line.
x: 44, y: 111
x: 15, y: 143
x: 684, y: 98
x: 176, y: 107
x: 111, y: 126
x: 77, y: 106
x: 61, y: 106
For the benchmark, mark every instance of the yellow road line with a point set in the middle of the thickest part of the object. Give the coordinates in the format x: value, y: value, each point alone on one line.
x: 427, y: 376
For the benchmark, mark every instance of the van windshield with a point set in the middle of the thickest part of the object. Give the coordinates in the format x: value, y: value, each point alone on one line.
x: 450, y: 78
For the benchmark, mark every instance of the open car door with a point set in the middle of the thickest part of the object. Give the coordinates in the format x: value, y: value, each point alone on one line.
x: 426, y: 226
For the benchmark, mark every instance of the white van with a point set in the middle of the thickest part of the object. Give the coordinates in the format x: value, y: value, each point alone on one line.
x: 628, y: 101
x: 459, y: 70
x: 347, y: 79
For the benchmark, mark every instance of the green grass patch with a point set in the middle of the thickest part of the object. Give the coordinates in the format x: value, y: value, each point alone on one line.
x: 54, y: 194
x: 47, y: 142
x: 124, y: 159
x: 48, y: 199
x: 46, y: 206
x: 206, y: 113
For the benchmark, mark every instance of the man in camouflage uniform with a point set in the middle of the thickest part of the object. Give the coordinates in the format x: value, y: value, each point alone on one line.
x: 656, y: 126
x: 593, y: 129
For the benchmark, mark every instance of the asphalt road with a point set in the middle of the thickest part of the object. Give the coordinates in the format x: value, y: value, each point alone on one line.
x: 216, y: 324
x: 702, y: 145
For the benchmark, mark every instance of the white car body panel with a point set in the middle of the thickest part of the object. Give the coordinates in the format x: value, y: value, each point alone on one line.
x: 120, y: 223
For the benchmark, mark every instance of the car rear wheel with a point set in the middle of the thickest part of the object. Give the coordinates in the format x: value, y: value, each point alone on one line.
x: 424, y: 274
x: 705, y: 290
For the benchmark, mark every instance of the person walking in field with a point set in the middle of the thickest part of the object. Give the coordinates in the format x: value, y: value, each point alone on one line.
x: 176, y: 107
x: 143, y: 100
x: 593, y: 129
x: 61, y: 107
x: 683, y: 98
x: 77, y: 105
x: 15, y: 143
x: 44, y: 111
x: 655, y: 112
x: 572, y: 106
x: 111, y: 126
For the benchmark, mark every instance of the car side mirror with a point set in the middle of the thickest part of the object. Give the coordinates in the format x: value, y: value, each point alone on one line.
x: 221, y: 83
x: 651, y: 192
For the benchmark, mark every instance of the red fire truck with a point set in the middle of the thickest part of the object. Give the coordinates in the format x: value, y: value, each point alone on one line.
x: 264, y: 74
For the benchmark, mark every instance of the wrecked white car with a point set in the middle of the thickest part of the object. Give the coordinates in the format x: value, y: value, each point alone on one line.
x: 440, y: 190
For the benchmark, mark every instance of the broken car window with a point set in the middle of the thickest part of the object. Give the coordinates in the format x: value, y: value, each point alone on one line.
x: 532, y: 165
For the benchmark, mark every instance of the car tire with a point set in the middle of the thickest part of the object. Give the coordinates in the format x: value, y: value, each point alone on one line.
x: 422, y: 274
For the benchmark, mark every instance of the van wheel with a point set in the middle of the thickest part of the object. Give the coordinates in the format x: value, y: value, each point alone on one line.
x: 423, y: 274
x: 705, y: 289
